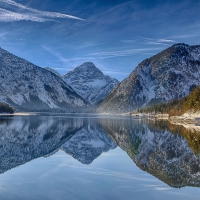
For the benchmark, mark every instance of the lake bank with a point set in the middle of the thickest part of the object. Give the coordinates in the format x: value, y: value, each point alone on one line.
x: 187, y: 118
x: 18, y: 114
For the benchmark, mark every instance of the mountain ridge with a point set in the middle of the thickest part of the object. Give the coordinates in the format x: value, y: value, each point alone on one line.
x: 168, y: 75
x: 29, y: 87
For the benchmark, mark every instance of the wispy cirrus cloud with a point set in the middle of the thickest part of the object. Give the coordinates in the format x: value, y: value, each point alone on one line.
x: 114, y: 72
x: 146, y: 40
x: 9, y: 16
x: 30, y: 14
x: 3, y: 34
x: 101, y: 55
x: 55, y: 54
x: 128, y: 52
x: 159, y: 41
x: 69, y: 63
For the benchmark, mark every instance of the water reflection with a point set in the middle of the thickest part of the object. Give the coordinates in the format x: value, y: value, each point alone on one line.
x: 24, y: 139
x: 168, y: 152
x: 159, y: 148
x: 88, y: 143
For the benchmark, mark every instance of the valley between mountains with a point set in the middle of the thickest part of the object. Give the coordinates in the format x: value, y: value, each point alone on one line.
x: 169, y: 75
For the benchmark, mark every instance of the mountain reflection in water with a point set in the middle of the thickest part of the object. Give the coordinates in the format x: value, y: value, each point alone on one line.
x: 168, y: 152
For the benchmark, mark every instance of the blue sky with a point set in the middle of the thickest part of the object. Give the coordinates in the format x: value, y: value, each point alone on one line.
x: 115, y: 35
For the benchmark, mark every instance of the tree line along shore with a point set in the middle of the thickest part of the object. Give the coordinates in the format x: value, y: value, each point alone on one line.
x: 185, y: 108
x: 5, y: 108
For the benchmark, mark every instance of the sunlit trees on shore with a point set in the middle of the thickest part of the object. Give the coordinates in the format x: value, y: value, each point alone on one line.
x: 176, y: 107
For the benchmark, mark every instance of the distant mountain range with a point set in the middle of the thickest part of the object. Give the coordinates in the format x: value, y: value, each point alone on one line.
x: 171, y: 74
x: 90, y: 83
x: 28, y: 87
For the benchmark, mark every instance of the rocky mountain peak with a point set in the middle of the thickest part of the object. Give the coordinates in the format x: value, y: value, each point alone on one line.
x: 90, y: 82
x: 88, y: 65
x: 86, y: 70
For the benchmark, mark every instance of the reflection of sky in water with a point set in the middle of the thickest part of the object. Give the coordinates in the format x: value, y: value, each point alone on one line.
x: 112, y: 176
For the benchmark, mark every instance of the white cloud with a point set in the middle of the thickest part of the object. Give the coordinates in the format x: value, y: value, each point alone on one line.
x: 9, y: 16
x: 147, y: 40
x: 162, y: 188
x: 128, y: 41
x: 183, y: 36
x: 110, y: 54
x: 55, y: 54
x: 156, y: 40
x: 31, y: 14
x: 112, y: 72
x: 166, y: 40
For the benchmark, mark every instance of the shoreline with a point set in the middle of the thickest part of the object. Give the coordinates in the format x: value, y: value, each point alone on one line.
x: 18, y: 114
x: 189, y: 117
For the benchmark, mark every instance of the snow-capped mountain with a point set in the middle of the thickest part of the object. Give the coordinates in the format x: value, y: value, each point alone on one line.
x: 88, y: 143
x: 29, y: 87
x: 90, y: 83
x: 156, y: 150
x: 171, y: 74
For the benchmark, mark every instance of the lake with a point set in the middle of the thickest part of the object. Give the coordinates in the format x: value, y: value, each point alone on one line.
x: 97, y: 157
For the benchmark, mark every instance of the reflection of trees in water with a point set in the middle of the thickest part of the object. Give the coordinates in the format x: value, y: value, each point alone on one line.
x: 192, y: 136
x: 125, y: 132
x: 166, y: 151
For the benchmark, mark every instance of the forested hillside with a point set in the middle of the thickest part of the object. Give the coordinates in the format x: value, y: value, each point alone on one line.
x: 176, y: 107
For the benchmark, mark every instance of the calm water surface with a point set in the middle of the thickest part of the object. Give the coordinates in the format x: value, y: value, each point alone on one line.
x: 96, y: 157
